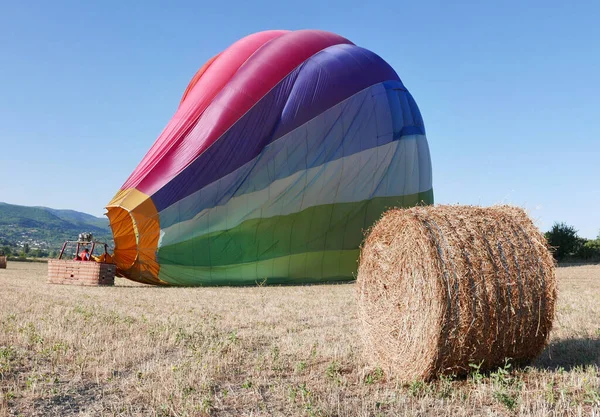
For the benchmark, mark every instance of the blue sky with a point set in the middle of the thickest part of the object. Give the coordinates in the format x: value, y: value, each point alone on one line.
x: 509, y: 91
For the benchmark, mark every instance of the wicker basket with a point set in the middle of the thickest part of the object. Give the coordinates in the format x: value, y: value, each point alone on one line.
x: 62, y: 271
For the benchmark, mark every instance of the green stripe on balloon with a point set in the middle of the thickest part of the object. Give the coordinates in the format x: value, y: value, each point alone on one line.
x: 304, y: 268
x: 326, y: 227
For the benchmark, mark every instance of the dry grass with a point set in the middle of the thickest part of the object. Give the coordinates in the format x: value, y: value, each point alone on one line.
x: 137, y: 350
x: 441, y: 287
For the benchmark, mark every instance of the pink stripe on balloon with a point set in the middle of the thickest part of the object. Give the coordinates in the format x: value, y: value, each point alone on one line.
x: 255, y: 78
x: 199, y: 98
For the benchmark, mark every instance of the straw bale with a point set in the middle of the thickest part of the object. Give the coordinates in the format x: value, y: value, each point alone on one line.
x: 442, y: 287
x: 2, y: 262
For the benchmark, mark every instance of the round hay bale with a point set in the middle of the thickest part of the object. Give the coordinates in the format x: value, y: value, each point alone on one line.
x: 442, y: 287
x: 2, y: 262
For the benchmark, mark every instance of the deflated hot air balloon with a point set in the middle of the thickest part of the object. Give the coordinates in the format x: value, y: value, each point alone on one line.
x: 285, y: 147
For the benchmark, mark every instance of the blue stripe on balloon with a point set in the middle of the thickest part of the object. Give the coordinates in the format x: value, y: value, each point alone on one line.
x: 322, y: 81
x: 395, y: 169
x: 361, y: 122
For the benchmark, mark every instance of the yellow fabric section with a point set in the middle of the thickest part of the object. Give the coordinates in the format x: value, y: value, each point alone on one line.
x: 128, y: 199
x: 104, y: 258
x: 136, y: 229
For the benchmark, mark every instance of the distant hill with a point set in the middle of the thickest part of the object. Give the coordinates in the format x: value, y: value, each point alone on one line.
x: 46, y: 228
x: 79, y: 218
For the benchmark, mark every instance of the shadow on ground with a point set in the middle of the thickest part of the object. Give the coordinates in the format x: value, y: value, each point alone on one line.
x: 569, y: 353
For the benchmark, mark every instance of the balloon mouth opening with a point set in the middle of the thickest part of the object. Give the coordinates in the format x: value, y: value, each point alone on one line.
x: 125, y: 236
x: 135, y: 224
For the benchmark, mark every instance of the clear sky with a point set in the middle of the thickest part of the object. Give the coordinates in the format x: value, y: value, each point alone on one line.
x: 509, y: 90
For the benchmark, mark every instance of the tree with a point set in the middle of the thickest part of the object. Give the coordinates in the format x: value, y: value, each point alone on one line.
x: 590, y: 251
x: 6, y: 251
x: 564, y: 239
x: 26, y: 248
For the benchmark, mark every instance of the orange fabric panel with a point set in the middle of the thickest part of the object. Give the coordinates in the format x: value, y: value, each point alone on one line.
x: 148, y: 227
x: 124, y: 236
x: 136, y: 230
x: 104, y: 258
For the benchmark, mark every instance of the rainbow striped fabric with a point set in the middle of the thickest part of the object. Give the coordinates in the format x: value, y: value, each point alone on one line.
x: 285, y: 148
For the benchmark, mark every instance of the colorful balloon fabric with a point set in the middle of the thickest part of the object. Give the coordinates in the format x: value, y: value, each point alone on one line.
x: 285, y: 148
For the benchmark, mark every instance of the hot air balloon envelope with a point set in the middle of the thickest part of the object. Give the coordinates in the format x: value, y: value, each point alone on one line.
x: 285, y: 148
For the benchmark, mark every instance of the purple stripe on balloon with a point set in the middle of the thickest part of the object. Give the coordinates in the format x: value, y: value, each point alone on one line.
x: 328, y: 78
x: 322, y: 81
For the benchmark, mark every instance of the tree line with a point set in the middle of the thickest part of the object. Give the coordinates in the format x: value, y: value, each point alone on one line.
x: 26, y: 251
x: 568, y: 246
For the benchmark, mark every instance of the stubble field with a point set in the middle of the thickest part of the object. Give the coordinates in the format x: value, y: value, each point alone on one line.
x: 260, y: 351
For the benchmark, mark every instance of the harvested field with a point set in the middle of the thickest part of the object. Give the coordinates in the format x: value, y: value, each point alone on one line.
x: 138, y: 350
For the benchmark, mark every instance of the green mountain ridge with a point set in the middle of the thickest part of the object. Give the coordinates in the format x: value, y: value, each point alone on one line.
x: 77, y: 217
x: 45, y: 228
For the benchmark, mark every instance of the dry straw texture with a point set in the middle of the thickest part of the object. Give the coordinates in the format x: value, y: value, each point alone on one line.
x: 442, y: 287
x: 265, y: 351
x: 2, y: 262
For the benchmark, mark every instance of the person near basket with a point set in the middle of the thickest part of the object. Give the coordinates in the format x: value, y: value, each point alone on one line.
x: 85, y: 255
